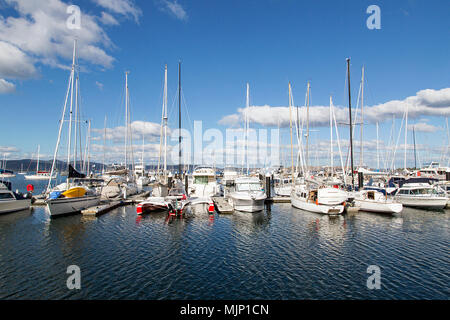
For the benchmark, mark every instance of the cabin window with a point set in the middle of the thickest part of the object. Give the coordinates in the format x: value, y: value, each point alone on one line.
x: 404, y: 192
x: 201, y: 180
x: 4, y: 196
x: 371, y: 195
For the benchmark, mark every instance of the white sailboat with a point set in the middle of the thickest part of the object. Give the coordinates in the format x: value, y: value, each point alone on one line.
x: 310, y: 196
x: 73, y: 198
x: 39, y: 175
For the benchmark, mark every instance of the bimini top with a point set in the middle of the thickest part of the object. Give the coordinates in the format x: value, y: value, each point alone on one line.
x: 203, y: 171
x: 6, y: 171
x: 422, y: 180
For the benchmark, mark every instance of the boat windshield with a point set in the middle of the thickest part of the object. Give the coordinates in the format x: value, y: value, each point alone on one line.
x: 253, y: 186
x: 423, y: 191
x: 201, y: 180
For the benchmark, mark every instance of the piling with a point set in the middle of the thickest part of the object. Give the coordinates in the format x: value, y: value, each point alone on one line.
x: 268, y: 186
x: 360, y: 180
x: 186, y: 183
x: 447, y: 175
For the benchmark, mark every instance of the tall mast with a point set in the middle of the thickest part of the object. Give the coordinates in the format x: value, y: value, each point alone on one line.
x: 331, y: 136
x: 165, y: 118
x: 247, y: 125
x: 406, y: 134
x: 290, y: 125
x: 378, y: 150
x: 179, y: 119
x: 307, y: 126
x: 37, y: 165
x: 104, y: 145
x: 88, y: 148
x: 361, y: 159
x: 350, y: 117
x: 126, y: 120
x: 415, y: 156
x: 71, y: 103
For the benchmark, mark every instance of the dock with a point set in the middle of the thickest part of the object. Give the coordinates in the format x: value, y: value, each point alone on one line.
x: 279, y: 200
x: 101, y: 209
x: 222, y: 206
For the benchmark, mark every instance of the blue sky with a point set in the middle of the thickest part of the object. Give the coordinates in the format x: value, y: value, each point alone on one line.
x: 223, y: 45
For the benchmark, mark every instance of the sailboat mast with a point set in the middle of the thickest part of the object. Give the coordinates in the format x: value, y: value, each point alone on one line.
x: 179, y: 119
x: 71, y: 103
x: 247, y: 125
x: 350, y: 117
x: 378, y: 150
x: 307, y: 126
x: 104, y: 145
x: 290, y: 126
x: 406, y: 134
x: 415, y: 155
x: 331, y: 136
x: 126, y: 119
x: 165, y: 118
x: 37, y: 165
x: 361, y: 160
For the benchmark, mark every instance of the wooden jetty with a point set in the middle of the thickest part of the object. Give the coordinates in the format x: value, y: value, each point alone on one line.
x: 278, y: 200
x: 101, y: 209
x: 222, y: 206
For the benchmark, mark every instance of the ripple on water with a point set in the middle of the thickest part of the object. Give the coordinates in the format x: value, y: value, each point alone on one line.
x: 281, y: 253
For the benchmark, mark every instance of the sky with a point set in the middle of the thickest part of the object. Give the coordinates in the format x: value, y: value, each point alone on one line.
x: 222, y: 46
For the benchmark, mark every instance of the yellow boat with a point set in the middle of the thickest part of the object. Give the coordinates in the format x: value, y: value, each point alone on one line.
x: 74, y: 192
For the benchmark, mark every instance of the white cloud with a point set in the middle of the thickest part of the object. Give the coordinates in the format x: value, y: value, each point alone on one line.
x: 424, y: 127
x: 8, y: 150
x: 14, y: 63
x: 123, y: 7
x: 40, y: 32
x: 150, y: 130
x: 6, y: 87
x: 425, y: 103
x: 99, y: 85
x: 174, y: 8
x: 108, y: 19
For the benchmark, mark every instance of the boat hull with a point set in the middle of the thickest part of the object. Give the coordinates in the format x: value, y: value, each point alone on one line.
x: 247, y: 205
x: 63, y: 206
x: 317, y: 208
x: 434, y: 203
x: 14, y: 205
x: 379, y: 207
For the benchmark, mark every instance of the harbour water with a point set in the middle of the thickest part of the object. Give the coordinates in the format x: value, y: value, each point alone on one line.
x: 280, y: 253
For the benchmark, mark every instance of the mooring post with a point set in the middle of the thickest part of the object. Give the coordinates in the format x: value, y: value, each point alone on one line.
x: 186, y: 183
x: 268, y: 186
x: 360, y: 180
x: 169, y: 182
x: 447, y: 174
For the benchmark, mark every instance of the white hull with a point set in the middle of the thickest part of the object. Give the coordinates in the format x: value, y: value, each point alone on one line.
x: 63, y: 206
x: 7, y: 206
x: 300, y: 203
x: 246, y: 205
x: 283, y: 191
x: 379, y: 206
x: 423, y: 202
x: 37, y: 177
